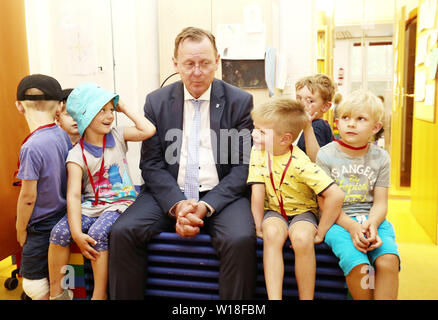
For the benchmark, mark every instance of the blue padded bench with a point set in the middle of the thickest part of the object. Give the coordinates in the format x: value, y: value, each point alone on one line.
x: 188, y: 268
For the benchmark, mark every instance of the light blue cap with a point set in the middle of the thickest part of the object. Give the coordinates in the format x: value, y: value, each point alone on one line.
x: 85, y: 101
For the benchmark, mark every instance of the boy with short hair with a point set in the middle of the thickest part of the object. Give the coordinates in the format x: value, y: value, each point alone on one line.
x: 41, y: 202
x: 316, y: 92
x: 362, y: 236
x: 65, y: 121
x: 285, y: 184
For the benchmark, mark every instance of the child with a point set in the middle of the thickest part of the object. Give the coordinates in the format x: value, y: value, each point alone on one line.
x: 65, y: 121
x: 284, y: 187
x: 98, y: 162
x: 41, y: 202
x: 316, y: 92
x: 362, y: 236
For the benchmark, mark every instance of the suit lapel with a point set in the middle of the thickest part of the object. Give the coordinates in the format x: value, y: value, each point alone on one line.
x: 217, y: 105
x: 174, y: 120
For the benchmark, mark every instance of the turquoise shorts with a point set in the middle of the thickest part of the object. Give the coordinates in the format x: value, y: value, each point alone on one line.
x: 342, y: 246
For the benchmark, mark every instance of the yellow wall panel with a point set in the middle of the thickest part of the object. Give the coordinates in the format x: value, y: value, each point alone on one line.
x: 424, y: 182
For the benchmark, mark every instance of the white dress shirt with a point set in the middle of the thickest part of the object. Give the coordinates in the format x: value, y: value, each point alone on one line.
x: 208, y: 177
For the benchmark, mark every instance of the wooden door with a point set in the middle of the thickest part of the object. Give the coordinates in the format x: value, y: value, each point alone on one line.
x: 13, y: 127
x: 408, y: 110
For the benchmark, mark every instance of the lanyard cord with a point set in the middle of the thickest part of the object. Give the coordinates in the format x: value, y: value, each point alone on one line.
x: 90, y: 177
x: 280, y: 199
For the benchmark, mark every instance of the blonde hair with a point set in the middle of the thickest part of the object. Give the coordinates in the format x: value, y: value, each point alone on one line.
x: 39, y: 105
x: 320, y: 82
x: 195, y: 34
x: 362, y: 100
x: 286, y: 115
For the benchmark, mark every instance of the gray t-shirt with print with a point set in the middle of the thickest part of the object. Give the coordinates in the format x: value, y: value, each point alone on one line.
x: 356, y: 176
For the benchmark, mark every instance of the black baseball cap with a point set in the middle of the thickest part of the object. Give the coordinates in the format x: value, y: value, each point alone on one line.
x: 49, y: 86
x: 66, y: 93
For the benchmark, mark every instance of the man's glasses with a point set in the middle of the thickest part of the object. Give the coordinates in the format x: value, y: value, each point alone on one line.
x: 191, y: 66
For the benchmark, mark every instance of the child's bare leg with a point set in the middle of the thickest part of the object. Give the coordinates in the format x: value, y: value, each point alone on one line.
x: 100, y: 274
x: 274, y: 237
x: 386, y: 283
x: 358, y: 284
x: 58, y: 257
x: 301, y: 235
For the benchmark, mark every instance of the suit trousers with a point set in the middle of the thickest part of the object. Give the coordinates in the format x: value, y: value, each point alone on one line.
x: 233, y: 237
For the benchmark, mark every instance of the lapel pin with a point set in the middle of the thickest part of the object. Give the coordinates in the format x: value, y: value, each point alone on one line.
x: 217, y: 106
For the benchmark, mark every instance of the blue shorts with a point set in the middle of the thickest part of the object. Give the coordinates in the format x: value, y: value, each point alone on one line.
x: 342, y: 246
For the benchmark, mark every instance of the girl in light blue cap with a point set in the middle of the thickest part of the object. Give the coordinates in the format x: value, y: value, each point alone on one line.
x: 97, y: 169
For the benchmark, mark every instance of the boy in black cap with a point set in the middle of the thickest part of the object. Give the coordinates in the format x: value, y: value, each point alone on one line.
x: 41, y: 202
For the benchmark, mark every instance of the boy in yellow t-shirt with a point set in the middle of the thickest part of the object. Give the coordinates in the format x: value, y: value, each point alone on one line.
x: 285, y: 185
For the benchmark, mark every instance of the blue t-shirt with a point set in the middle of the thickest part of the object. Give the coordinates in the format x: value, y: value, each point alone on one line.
x: 323, y: 134
x: 42, y: 158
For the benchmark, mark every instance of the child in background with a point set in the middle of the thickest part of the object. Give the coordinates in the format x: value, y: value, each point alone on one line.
x: 285, y: 184
x: 336, y: 101
x: 42, y: 199
x: 316, y: 92
x: 65, y: 121
x: 362, y: 236
x: 98, y: 162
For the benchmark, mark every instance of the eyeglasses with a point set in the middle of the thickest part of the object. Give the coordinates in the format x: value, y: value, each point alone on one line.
x: 191, y: 66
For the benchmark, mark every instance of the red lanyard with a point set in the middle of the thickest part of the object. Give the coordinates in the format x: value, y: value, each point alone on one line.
x: 102, y: 167
x: 280, y: 199
x: 350, y: 147
x: 18, y: 183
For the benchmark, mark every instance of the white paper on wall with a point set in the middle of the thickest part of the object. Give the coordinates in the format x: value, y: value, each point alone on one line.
x: 233, y: 42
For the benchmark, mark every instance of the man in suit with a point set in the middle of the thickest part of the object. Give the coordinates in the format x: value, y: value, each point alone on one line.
x: 195, y: 169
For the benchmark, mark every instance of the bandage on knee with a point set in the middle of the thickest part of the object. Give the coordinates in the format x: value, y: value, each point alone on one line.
x: 36, y: 289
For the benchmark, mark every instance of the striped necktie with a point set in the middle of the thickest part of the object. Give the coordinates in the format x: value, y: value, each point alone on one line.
x: 191, y: 181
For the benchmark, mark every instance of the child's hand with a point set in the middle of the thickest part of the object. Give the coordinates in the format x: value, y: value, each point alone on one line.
x: 357, y: 234
x: 121, y: 106
x: 21, y: 237
x: 83, y: 241
x: 259, y: 233
x: 309, y: 120
x: 319, y: 238
x: 371, y: 235
x: 377, y: 243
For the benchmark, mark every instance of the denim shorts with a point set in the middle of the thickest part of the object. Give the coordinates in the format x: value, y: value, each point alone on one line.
x: 342, y: 246
x: 34, y: 256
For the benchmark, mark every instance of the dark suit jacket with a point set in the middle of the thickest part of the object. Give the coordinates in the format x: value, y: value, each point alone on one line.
x: 230, y: 108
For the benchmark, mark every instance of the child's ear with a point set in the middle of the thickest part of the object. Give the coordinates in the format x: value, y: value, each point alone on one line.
x: 377, y: 126
x: 287, y: 138
x: 59, y: 108
x: 20, y: 107
x: 326, y: 107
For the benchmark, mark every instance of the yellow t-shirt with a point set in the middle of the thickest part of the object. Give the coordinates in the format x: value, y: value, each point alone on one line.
x: 302, y: 182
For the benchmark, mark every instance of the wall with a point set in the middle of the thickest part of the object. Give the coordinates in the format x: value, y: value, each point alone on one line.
x: 298, y: 41
x: 290, y: 31
x: 349, y: 12
x: 13, y: 127
x: 111, y: 42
